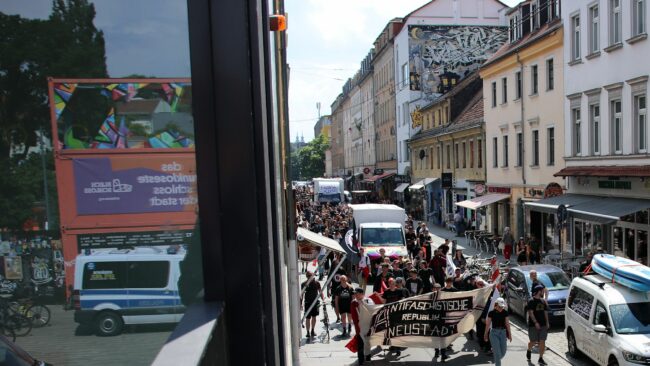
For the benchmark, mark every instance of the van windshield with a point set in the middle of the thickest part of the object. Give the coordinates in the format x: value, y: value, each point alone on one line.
x: 382, y: 237
x: 552, y: 280
x: 632, y: 318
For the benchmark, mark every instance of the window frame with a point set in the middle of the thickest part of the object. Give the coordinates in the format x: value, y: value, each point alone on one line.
x: 520, y: 149
x: 494, y: 94
x: 616, y: 126
x: 464, y: 145
x: 504, y: 142
x: 594, y: 127
x: 479, y: 149
x: 471, y: 154
x: 504, y: 90
x: 456, y: 159
x: 550, y: 148
x: 641, y: 113
x: 594, y: 28
x: 575, y: 37
x: 495, y: 152
x: 518, y: 85
x: 576, y: 123
x: 439, y: 150
x: 550, y: 74
x: 534, y: 79
x: 535, y: 150
x: 636, y: 13
x: 615, y: 22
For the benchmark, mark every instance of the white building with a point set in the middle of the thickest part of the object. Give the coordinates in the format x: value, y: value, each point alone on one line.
x: 442, y: 39
x: 606, y: 126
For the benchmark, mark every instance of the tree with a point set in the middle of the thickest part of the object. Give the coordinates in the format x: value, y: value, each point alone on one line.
x: 309, y: 162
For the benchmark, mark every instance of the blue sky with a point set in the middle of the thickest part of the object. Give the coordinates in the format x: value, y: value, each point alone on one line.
x: 327, y: 39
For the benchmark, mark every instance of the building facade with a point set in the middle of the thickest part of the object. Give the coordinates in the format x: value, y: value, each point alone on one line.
x: 323, y: 125
x: 444, y: 38
x: 605, y: 110
x: 524, y: 135
x: 336, y: 139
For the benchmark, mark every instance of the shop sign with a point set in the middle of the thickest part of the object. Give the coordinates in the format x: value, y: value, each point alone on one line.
x: 447, y: 180
x: 134, y: 239
x: 533, y: 193
x: 553, y: 190
x: 479, y: 189
x: 614, y: 184
x: 505, y: 190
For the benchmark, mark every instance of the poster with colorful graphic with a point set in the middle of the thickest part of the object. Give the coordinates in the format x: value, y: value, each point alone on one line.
x: 122, y: 185
x: 13, y: 268
x: 432, y: 320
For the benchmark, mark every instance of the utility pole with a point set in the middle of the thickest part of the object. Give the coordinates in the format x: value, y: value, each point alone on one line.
x: 46, y: 194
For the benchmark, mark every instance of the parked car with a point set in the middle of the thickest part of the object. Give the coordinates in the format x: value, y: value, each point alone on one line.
x: 608, y: 322
x: 519, y: 286
x: 12, y: 355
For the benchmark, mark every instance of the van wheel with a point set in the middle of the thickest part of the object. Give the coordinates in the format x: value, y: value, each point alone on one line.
x: 109, y: 324
x: 572, y: 345
x: 612, y: 361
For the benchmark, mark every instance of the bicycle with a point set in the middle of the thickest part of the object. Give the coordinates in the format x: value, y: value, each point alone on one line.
x: 19, y: 324
x: 38, y: 314
x: 326, y: 321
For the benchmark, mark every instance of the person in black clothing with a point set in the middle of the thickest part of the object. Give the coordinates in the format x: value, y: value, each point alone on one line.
x: 425, y: 274
x: 312, y: 288
x: 499, y: 323
x: 391, y: 295
x: 537, y: 323
x: 396, y: 271
x: 458, y: 279
x: 425, y: 243
x: 414, y: 283
x: 344, y: 294
x: 334, y: 285
x: 440, y: 351
x: 483, y: 343
x: 399, y: 283
x: 449, y: 285
x: 584, y: 265
x: 411, y: 242
x: 382, y: 277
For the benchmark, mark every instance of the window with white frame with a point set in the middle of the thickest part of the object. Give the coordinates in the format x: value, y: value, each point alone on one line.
x: 594, y: 115
x: 638, y: 17
x: 550, y: 77
x: 534, y: 16
x: 535, y: 151
x: 641, y: 118
x: 617, y: 126
x: 520, y: 149
x: 577, y: 136
x: 505, y: 151
x: 405, y: 75
x: 575, y: 37
x: 518, y: 85
x: 534, y: 80
x: 495, y: 152
x: 594, y: 29
x: 550, y: 155
x: 615, y: 21
x: 494, y: 94
x: 504, y: 90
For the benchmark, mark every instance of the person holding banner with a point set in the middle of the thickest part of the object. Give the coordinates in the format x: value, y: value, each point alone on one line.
x: 497, y: 329
x: 363, y: 268
x: 363, y: 346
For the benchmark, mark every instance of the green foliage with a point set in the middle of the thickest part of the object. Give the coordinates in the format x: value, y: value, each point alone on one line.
x: 309, y: 162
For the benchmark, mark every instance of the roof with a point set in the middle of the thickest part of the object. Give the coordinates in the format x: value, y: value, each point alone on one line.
x: 605, y: 171
x: 614, y: 293
x: 508, y: 48
x: 137, y: 106
x: 425, y: 5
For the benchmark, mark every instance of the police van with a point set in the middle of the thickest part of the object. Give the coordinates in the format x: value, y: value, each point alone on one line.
x: 608, y: 322
x: 127, y: 286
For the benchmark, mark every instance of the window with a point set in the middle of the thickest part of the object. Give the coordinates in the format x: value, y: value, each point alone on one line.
x: 580, y: 302
x: 534, y: 16
x: 576, y: 131
x: 504, y: 90
x: 551, y: 146
x: 439, y: 156
x: 575, y: 39
x: 535, y: 148
x: 448, y: 156
x: 405, y: 74
x: 520, y: 148
x: 505, y: 151
x: 533, y: 75
x: 640, y: 113
x: 471, y: 154
x: 495, y: 155
x: 600, y: 315
x: 147, y: 274
x: 638, y: 17
x: 480, y: 154
x: 104, y: 275
x: 518, y: 81
x: 615, y: 24
x: 550, y: 78
x: 594, y: 29
x: 464, y: 155
x: 617, y: 126
x: 430, y: 157
x: 595, y: 129
x: 456, y: 156
x: 494, y: 94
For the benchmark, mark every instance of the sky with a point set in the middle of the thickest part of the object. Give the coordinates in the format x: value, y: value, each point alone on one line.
x: 327, y: 40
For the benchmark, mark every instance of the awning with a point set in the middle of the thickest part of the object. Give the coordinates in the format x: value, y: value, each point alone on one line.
x: 605, y: 171
x: 481, y: 201
x: 592, y: 208
x: 421, y: 184
x: 400, y: 188
x: 550, y: 205
x: 375, y: 178
x: 320, y: 240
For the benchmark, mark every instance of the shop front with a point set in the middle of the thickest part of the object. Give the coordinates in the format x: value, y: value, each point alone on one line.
x: 423, y: 204
x: 380, y: 184
x: 485, y: 210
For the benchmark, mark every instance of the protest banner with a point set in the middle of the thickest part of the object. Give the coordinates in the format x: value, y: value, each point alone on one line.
x: 432, y: 320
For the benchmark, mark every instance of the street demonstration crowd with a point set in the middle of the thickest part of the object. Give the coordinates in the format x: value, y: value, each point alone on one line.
x: 424, y: 270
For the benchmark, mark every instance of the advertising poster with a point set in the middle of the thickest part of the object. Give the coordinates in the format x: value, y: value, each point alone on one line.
x: 13, y: 268
x: 134, y: 239
x: 432, y: 320
x: 123, y: 185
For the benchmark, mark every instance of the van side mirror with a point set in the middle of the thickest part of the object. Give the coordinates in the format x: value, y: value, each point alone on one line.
x: 599, y: 328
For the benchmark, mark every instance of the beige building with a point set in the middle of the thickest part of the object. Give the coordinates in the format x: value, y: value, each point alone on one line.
x: 524, y: 122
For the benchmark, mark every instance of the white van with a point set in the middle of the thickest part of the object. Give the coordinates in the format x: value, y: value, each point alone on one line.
x: 608, y: 322
x: 127, y: 286
x: 379, y: 226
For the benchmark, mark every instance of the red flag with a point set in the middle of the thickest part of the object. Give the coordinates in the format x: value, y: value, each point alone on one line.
x: 314, y: 262
x: 375, y: 298
x: 495, y: 275
x: 353, y: 345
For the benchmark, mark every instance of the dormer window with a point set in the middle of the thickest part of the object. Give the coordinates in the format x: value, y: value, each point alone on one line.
x: 515, y: 27
x: 534, y: 15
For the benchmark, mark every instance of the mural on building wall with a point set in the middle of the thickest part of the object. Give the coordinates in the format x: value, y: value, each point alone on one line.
x: 440, y: 56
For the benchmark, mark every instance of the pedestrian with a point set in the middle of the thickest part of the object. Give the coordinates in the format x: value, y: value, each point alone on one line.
x: 381, y: 280
x: 444, y: 247
x: 344, y: 295
x: 534, y: 281
x: 363, y: 268
x: 311, y: 289
x: 321, y: 263
x: 390, y: 295
x: 442, y: 352
x: 439, y: 267
x: 522, y: 255
x: 587, y: 262
x: 400, y: 284
x: 497, y: 328
x: 425, y: 274
x: 449, y: 285
x: 396, y: 271
x: 508, y: 241
x: 414, y: 283
x: 458, y: 279
x: 411, y: 242
x: 363, y: 346
x: 459, y: 260
x: 425, y: 243
x: 334, y: 285
x: 537, y: 323
x: 377, y: 262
